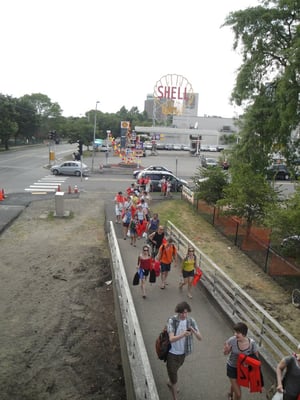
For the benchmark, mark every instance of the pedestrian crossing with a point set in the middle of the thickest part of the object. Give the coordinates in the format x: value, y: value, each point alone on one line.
x: 47, y: 184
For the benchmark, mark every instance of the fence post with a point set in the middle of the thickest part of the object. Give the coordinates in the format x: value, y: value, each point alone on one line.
x: 236, y: 233
x: 266, y: 261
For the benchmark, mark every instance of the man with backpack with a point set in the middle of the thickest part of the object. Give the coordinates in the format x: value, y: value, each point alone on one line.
x: 167, y: 253
x: 181, y: 330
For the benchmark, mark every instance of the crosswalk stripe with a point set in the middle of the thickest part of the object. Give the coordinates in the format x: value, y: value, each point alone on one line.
x: 46, y: 184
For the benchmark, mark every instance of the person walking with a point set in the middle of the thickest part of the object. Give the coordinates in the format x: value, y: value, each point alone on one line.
x: 162, y: 183
x: 189, y: 265
x: 169, y: 187
x: 237, y: 344
x: 133, y: 228
x: 119, y: 204
x: 156, y: 240
x: 153, y: 224
x: 290, y: 384
x: 144, y: 265
x: 126, y: 221
x: 167, y: 253
x: 181, y: 330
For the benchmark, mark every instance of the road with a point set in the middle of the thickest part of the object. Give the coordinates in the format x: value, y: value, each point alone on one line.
x: 21, y: 170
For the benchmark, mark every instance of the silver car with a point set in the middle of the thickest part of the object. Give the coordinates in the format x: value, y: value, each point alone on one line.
x: 70, y: 168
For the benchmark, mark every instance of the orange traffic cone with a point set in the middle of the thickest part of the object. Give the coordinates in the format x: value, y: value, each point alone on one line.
x: 58, y: 188
x: 1, y: 196
x: 70, y: 190
x: 75, y: 189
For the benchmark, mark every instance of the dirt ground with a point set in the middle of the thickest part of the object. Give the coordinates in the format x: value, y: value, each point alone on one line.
x: 58, y: 332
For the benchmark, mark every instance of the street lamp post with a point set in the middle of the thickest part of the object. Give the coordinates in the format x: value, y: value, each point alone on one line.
x: 94, y: 136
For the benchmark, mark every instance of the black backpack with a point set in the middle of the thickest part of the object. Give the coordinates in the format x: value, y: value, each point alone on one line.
x: 162, y: 343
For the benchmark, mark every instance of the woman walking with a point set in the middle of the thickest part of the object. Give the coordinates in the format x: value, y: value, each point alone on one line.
x: 188, y: 271
x: 234, y: 346
x: 144, y: 266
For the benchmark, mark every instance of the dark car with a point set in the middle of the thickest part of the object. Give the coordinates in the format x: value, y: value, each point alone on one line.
x: 156, y: 177
x: 278, y: 172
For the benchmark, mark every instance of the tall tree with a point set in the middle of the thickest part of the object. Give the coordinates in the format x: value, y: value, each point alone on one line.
x: 248, y: 195
x: 268, y: 81
x: 8, y: 117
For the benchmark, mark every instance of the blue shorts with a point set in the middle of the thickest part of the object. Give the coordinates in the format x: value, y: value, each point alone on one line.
x: 231, y: 372
x: 165, y: 267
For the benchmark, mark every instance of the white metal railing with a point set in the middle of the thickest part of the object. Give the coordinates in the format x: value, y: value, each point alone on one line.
x: 140, y: 372
x: 274, y: 341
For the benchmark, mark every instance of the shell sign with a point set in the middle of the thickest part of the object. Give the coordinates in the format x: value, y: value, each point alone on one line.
x: 173, y: 94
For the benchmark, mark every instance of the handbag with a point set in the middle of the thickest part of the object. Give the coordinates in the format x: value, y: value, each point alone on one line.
x: 152, y: 277
x: 277, y: 396
x: 271, y: 391
x: 136, y: 279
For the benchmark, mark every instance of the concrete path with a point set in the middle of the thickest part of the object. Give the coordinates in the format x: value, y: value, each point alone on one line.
x: 203, y: 375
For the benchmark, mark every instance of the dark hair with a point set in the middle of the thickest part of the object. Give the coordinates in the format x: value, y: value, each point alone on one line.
x: 181, y: 307
x: 241, y: 327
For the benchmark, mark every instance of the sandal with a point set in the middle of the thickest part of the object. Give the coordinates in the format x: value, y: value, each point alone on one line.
x: 230, y: 396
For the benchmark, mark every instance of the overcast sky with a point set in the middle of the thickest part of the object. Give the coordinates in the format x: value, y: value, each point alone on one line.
x: 114, y: 51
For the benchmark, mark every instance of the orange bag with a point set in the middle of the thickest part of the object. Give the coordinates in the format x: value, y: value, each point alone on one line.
x: 197, y: 276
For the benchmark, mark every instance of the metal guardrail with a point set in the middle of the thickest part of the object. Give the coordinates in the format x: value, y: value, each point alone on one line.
x: 274, y: 341
x: 138, y: 375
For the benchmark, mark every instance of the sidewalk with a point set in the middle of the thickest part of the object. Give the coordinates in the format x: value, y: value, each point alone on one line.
x: 203, y: 375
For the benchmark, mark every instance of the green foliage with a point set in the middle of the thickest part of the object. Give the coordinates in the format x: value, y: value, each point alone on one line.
x: 248, y: 195
x: 8, y: 119
x: 34, y: 116
x: 268, y: 80
x: 285, y: 220
x: 210, y: 184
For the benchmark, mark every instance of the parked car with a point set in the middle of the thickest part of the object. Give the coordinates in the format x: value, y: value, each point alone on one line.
x: 70, y: 168
x: 104, y: 148
x: 278, y: 172
x: 291, y: 246
x: 209, y: 162
x: 177, y: 147
x: 156, y: 177
x: 151, y: 168
x: 204, y: 147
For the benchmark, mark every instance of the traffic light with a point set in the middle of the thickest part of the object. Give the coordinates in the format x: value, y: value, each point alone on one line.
x: 80, y: 143
x: 52, y: 135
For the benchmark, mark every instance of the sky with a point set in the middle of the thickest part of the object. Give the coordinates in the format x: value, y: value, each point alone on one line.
x: 113, y: 52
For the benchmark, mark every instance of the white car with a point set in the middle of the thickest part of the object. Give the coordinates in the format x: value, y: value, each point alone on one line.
x: 70, y: 168
x: 150, y: 168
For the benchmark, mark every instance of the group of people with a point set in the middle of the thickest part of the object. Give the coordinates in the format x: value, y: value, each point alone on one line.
x: 182, y: 328
x: 133, y: 211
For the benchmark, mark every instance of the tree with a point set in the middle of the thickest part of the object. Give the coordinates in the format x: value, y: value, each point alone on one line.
x: 8, y: 116
x: 285, y: 222
x: 268, y: 81
x: 248, y: 195
x: 26, y: 119
x: 210, y: 184
x: 47, y: 113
